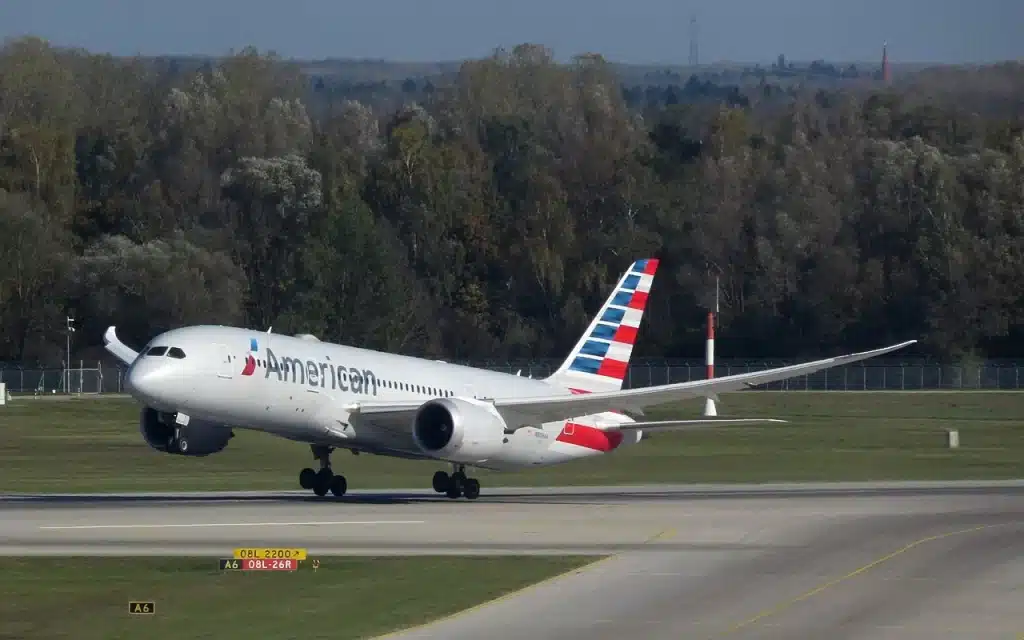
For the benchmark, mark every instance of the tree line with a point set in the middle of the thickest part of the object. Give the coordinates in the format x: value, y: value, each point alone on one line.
x: 488, y: 212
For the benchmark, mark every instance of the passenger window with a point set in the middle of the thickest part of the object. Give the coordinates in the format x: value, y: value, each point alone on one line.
x: 175, y: 352
x: 156, y: 351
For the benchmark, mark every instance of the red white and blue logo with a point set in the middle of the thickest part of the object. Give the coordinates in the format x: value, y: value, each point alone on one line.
x: 602, y: 361
x: 250, y: 358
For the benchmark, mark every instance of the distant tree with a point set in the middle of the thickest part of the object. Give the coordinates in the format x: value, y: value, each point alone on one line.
x: 484, y: 209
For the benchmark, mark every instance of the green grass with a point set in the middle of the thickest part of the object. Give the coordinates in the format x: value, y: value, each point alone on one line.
x: 95, y: 445
x: 87, y: 598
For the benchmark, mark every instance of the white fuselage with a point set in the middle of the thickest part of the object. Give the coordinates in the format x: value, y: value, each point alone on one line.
x: 297, y: 388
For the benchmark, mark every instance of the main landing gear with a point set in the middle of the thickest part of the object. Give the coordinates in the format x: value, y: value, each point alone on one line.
x: 457, y: 484
x: 324, y: 480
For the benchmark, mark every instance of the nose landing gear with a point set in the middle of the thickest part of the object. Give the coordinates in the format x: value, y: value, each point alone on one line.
x: 324, y: 480
x: 457, y: 484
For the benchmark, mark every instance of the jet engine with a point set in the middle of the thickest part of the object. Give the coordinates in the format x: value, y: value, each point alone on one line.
x: 459, y: 430
x: 198, y: 438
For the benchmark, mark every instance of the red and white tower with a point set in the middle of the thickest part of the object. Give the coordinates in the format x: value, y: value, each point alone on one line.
x: 709, y: 356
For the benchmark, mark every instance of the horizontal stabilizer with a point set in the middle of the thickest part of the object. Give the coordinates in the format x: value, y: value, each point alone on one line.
x: 687, y: 425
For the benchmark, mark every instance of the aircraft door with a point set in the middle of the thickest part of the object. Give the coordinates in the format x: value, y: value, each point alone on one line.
x: 225, y: 366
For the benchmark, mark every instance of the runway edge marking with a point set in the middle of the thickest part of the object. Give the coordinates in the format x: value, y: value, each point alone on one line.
x: 507, y: 596
x: 199, y: 525
x: 856, y: 572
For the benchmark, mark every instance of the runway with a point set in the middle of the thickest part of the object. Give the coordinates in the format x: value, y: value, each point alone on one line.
x: 871, y: 560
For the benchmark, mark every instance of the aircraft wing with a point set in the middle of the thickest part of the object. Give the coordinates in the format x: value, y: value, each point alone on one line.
x: 118, y: 349
x: 553, y: 408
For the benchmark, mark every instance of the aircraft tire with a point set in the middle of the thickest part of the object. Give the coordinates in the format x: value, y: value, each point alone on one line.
x: 440, y: 482
x: 471, y: 489
x: 454, y: 489
x: 182, y: 445
x: 339, y: 485
x: 323, y: 482
x: 307, y: 478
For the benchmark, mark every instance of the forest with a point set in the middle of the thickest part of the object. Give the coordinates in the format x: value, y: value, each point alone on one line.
x: 485, y: 211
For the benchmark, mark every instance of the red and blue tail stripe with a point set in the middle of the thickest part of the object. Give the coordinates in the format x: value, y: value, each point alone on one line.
x: 600, y: 359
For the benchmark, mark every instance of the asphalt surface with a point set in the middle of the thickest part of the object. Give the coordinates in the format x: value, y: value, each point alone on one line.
x: 872, y: 560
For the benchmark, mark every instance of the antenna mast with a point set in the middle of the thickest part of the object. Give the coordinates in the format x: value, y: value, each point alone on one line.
x: 694, y: 45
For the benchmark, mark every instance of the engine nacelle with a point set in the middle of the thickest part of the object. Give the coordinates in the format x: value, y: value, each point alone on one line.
x: 198, y: 438
x: 459, y: 430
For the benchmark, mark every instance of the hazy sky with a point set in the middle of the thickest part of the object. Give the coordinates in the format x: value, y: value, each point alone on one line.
x: 624, y: 30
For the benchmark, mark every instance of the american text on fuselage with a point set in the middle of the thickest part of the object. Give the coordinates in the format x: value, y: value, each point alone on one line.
x: 320, y: 374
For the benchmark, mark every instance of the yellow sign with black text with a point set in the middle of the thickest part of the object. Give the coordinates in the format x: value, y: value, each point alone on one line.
x: 142, y: 608
x: 270, y: 554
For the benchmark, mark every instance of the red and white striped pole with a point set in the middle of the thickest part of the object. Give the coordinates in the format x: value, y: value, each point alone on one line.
x: 709, y: 359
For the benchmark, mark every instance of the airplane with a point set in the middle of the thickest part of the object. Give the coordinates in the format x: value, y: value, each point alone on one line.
x: 197, y: 384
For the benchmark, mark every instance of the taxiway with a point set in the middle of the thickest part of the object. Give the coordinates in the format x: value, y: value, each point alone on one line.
x: 872, y: 560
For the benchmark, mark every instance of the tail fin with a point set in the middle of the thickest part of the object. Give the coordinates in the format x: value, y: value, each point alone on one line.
x: 599, y: 360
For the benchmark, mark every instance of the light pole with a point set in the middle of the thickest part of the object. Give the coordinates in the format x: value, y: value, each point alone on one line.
x: 67, y: 364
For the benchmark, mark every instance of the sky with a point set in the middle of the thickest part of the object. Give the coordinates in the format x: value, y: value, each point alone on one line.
x: 633, y: 31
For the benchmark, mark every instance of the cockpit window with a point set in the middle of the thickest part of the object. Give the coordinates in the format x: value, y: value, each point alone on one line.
x: 156, y: 351
x: 175, y: 352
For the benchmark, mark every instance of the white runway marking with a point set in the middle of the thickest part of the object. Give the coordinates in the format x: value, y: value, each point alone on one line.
x: 178, y: 525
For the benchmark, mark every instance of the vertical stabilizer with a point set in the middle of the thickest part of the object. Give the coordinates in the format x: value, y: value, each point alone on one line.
x: 600, y: 359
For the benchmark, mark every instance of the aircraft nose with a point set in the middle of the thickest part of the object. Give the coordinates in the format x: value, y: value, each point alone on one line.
x: 144, y: 380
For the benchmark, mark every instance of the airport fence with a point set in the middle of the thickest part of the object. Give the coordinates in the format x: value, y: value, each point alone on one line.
x: 873, y: 375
